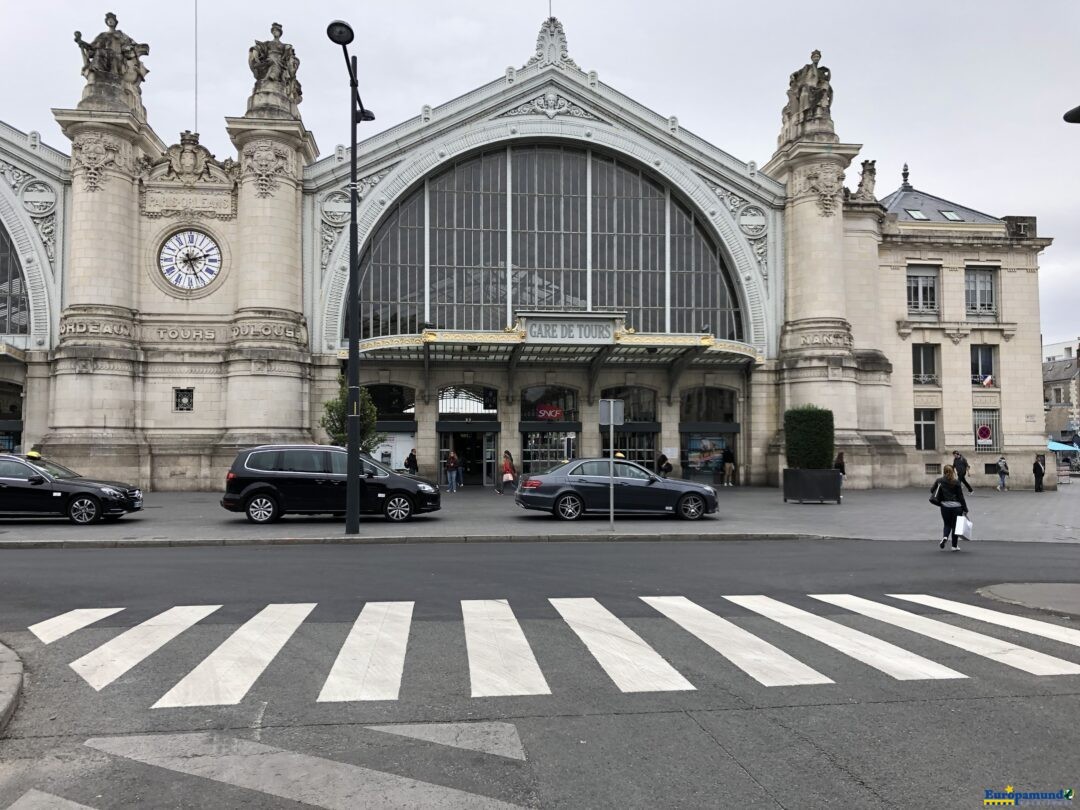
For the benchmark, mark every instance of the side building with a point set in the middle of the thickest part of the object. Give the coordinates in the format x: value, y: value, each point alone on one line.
x: 529, y: 248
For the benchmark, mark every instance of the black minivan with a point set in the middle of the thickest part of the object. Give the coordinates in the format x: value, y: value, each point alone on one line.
x: 309, y: 479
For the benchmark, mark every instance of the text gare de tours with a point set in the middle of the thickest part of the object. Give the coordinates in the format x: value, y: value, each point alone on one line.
x: 570, y: 331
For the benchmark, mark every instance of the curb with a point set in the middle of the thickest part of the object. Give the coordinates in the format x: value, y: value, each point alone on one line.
x: 11, y: 678
x: 362, y: 540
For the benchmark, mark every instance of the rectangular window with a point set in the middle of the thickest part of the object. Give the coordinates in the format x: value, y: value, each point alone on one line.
x: 986, y: 424
x: 916, y: 214
x: 982, y: 366
x: 933, y: 469
x: 922, y: 289
x: 979, y: 297
x: 1058, y: 396
x: 952, y: 216
x: 924, y: 364
x: 925, y: 429
x: 183, y: 399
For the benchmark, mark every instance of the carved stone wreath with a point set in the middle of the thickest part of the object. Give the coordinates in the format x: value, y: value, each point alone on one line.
x: 551, y: 105
x: 93, y: 153
x: 266, y: 161
x: 335, y: 211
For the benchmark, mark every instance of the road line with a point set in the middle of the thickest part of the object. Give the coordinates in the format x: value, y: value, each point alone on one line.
x: 116, y: 656
x: 759, y: 659
x: 632, y: 664
x: 995, y: 649
x: 287, y: 774
x: 39, y: 800
x: 1067, y: 635
x: 501, y: 662
x: 500, y: 739
x: 372, y: 659
x: 226, y: 675
x: 65, y: 624
x: 881, y: 655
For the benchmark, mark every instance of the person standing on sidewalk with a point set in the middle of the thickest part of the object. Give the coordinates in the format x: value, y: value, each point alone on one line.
x: 508, y: 474
x: 1003, y: 474
x: 1038, y: 469
x: 949, y: 497
x: 960, y: 464
x: 453, y: 470
x: 728, y: 458
x: 411, y: 464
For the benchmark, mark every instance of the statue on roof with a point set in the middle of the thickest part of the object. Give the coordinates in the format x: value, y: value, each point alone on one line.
x: 808, y: 111
x: 867, y: 179
x: 274, y: 64
x: 113, y: 68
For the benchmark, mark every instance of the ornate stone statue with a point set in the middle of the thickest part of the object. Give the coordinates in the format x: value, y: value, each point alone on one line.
x: 112, y: 65
x: 274, y: 64
x: 808, y: 112
x: 867, y: 178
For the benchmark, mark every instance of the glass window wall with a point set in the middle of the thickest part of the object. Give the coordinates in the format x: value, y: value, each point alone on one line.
x: 14, y: 306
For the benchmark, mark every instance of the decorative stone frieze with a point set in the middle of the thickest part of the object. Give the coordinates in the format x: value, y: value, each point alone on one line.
x: 93, y: 152
x: 334, y: 211
x: 13, y: 175
x: 825, y: 180
x: 46, y: 228
x: 551, y: 104
x: 266, y: 162
x: 551, y: 47
x: 159, y: 203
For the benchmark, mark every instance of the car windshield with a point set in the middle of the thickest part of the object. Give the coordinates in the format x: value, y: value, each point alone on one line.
x: 375, y: 464
x: 53, y: 469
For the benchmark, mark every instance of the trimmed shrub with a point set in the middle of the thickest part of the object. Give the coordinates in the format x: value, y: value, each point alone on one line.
x: 809, y: 438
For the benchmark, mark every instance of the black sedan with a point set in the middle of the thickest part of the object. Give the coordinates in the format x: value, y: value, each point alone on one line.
x: 583, y: 485
x: 31, y: 485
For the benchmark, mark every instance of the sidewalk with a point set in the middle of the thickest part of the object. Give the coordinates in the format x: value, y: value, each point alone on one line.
x: 477, y: 515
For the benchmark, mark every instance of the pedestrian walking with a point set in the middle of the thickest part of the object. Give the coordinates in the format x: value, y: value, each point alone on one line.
x: 509, y: 472
x: 728, y: 458
x: 663, y: 466
x: 411, y: 463
x: 960, y: 464
x: 453, y: 471
x: 1003, y: 474
x: 948, y: 495
x: 839, y: 464
x: 1038, y: 469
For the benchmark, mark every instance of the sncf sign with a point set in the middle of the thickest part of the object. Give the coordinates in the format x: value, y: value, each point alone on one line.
x: 551, y: 412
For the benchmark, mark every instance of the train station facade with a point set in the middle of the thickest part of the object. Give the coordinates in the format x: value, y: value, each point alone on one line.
x: 528, y: 249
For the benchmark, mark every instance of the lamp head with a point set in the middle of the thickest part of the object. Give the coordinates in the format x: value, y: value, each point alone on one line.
x: 339, y: 32
x: 364, y: 115
x: 1073, y: 116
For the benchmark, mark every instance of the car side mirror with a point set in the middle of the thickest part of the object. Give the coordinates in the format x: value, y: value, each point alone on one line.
x: 370, y: 474
x: 36, y: 479
x: 653, y: 479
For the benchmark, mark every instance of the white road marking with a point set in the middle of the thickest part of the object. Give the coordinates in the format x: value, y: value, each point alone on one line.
x: 371, y: 661
x: 116, y: 656
x: 890, y: 659
x: 759, y: 659
x: 65, y: 624
x: 226, y: 675
x: 497, y: 738
x: 287, y: 774
x: 39, y: 800
x: 632, y: 664
x: 995, y: 649
x: 1067, y: 635
x: 501, y: 662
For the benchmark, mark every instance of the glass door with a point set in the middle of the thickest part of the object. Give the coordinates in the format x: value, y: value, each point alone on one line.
x: 490, y: 460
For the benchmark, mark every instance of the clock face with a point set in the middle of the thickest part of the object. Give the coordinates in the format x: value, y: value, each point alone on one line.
x: 190, y: 260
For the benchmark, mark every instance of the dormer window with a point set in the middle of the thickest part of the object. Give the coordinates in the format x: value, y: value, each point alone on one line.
x: 916, y: 214
x: 952, y: 216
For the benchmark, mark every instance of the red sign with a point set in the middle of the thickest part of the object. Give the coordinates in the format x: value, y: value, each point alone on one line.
x: 983, y: 434
x: 551, y: 412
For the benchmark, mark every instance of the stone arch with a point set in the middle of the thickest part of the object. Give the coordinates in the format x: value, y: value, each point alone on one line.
x: 36, y: 270
x: 428, y: 158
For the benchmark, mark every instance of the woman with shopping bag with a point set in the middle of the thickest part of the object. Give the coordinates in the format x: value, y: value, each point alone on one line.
x: 948, y: 494
x: 509, y: 473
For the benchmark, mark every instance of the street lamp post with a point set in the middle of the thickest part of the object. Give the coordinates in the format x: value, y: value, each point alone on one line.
x: 341, y: 33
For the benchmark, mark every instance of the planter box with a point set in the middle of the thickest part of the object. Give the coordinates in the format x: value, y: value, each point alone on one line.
x: 812, y: 485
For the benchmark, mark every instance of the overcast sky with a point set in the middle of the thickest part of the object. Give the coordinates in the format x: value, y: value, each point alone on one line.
x: 970, y: 93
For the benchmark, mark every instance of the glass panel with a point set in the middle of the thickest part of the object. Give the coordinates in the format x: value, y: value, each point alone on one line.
x: 549, y: 403
x: 639, y: 403
x: 14, y: 305
x: 595, y: 468
x: 392, y: 273
x: 308, y: 461
x: 636, y: 447
x: 630, y: 471
x: 13, y: 469
x: 702, y: 298
x: 982, y: 366
x: 542, y: 451
x: 923, y: 362
x: 707, y: 405
x: 987, y: 428
x: 473, y: 400
x: 702, y: 455
x: 393, y: 401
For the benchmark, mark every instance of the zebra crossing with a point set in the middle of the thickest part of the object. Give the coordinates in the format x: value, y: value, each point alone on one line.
x: 370, y: 663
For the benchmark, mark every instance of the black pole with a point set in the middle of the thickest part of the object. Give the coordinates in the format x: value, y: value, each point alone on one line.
x: 352, y: 479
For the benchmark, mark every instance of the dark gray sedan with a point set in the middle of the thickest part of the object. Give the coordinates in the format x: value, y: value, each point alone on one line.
x: 583, y: 486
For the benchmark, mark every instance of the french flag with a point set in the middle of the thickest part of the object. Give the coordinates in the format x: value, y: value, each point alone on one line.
x: 988, y: 380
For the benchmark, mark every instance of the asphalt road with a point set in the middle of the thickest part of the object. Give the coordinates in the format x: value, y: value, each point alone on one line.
x: 705, y: 732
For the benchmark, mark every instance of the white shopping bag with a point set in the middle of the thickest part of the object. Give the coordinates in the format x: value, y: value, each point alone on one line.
x: 963, y: 527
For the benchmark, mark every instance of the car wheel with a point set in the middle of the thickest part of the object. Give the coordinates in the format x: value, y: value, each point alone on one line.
x: 84, y: 509
x: 691, y: 506
x: 262, y: 508
x: 398, y: 507
x: 569, y: 507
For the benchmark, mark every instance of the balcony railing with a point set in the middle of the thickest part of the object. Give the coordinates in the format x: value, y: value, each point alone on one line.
x: 980, y: 380
x: 926, y: 379
x: 922, y: 308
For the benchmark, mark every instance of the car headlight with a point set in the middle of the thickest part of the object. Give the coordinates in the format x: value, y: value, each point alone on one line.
x: 110, y: 492
x: 710, y: 490
x: 425, y: 487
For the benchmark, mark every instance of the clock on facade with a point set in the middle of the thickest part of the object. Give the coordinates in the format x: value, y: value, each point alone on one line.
x: 190, y: 260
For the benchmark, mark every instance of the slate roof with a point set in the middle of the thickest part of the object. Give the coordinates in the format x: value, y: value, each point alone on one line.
x: 1059, y: 370
x: 908, y: 198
